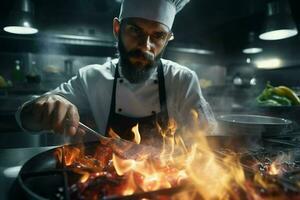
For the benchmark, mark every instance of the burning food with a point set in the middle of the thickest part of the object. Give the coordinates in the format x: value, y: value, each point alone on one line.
x: 180, y: 171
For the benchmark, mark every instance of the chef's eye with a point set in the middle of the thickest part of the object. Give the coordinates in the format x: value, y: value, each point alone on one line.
x: 133, y: 30
x: 159, y: 36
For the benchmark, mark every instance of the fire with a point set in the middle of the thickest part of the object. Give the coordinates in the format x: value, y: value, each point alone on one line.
x: 186, y: 159
x: 274, y: 169
x: 68, y: 155
x: 112, y: 134
x: 213, y: 178
x: 147, y: 176
x: 135, y: 130
x: 85, y: 177
x: 130, y: 186
x: 123, y: 166
x: 137, y: 136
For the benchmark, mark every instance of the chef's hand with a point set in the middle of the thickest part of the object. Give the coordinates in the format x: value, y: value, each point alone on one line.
x: 50, y: 112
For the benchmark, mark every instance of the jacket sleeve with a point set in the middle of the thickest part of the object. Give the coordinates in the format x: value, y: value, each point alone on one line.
x: 74, y: 91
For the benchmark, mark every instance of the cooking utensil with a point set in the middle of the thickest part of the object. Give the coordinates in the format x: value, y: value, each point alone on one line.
x: 259, y: 125
x: 121, y: 147
x: 241, y: 132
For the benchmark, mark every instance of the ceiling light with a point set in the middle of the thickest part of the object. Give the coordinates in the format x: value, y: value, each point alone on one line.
x: 20, y: 30
x: 279, y: 23
x: 268, y: 63
x: 21, y: 19
x: 252, y: 50
x: 252, y: 47
x: 278, y: 34
x: 195, y: 51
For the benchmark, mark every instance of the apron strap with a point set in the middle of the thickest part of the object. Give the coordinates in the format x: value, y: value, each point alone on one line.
x: 113, y: 100
x: 164, y: 119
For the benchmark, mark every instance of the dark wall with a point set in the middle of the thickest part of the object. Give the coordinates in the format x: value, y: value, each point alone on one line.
x: 289, y: 76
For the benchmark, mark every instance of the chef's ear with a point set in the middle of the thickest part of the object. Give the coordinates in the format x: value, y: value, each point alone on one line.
x: 116, y: 27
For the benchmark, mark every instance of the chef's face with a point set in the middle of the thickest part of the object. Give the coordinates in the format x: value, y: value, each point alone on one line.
x: 140, y: 43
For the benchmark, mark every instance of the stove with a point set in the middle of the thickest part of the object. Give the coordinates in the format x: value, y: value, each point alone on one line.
x: 259, y: 159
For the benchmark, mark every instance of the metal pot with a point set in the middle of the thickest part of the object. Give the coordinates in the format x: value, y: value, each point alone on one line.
x: 242, y: 131
x: 259, y: 125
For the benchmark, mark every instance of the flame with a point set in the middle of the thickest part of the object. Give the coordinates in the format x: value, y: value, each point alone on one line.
x: 113, y: 134
x: 130, y: 186
x: 70, y: 154
x: 148, y: 176
x: 274, y: 169
x: 137, y: 136
x: 123, y: 166
x: 85, y: 176
x: 213, y: 180
x: 135, y: 130
x: 169, y: 142
x: 186, y: 158
x: 212, y: 177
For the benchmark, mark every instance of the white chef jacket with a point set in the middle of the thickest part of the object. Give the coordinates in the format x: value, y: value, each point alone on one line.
x: 91, y: 91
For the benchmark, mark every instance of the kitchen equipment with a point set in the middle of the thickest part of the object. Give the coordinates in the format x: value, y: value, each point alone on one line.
x: 11, y: 161
x: 123, y: 147
x: 44, y: 177
x: 253, y: 125
x: 241, y: 132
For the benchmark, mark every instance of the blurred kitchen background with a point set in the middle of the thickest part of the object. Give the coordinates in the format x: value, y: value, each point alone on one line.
x: 221, y: 40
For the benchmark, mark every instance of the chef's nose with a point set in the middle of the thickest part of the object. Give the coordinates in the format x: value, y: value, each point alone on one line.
x: 146, y: 43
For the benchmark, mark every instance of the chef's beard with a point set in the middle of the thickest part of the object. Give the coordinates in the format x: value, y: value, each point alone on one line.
x: 136, y: 73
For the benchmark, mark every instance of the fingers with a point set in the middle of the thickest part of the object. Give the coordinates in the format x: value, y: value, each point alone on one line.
x: 48, y: 112
x: 72, y: 120
x: 53, y: 112
x: 58, y: 117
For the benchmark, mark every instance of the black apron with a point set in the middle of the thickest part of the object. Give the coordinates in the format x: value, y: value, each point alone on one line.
x: 148, y: 126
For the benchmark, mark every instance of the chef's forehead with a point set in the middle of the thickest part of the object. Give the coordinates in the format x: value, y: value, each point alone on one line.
x: 145, y: 23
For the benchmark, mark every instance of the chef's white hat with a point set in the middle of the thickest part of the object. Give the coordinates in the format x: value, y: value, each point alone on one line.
x: 162, y: 11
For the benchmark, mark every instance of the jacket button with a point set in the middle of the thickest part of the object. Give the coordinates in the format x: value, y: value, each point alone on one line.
x: 121, y: 81
x: 155, y: 81
x: 120, y: 109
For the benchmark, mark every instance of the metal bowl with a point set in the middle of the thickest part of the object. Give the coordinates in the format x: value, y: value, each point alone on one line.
x: 259, y: 125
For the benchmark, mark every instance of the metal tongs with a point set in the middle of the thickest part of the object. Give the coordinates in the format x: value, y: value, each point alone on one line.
x: 121, y: 147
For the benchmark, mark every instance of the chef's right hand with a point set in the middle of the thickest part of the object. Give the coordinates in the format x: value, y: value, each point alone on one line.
x: 50, y: 112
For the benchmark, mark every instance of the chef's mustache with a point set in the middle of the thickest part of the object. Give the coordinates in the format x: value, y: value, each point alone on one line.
x: 138, y: 53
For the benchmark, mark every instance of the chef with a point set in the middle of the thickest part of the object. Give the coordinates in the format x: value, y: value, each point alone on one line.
x: 137, y: 88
